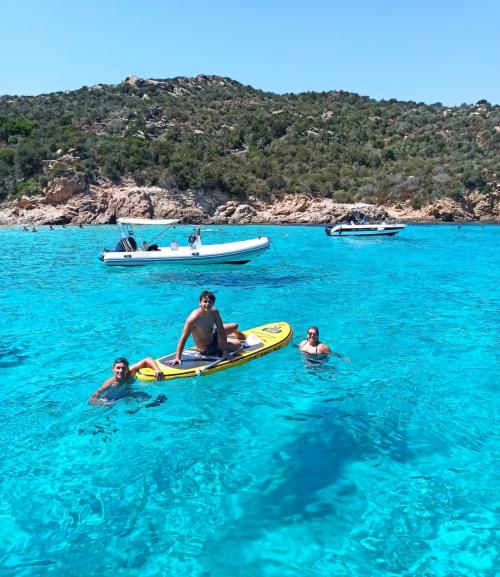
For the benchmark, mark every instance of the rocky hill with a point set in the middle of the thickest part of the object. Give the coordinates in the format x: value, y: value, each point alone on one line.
x: 211, y: 149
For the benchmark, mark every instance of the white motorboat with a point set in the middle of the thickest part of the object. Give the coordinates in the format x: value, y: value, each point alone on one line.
x: 128, y: 253
x: 359, y: 225
x: 352, y: 229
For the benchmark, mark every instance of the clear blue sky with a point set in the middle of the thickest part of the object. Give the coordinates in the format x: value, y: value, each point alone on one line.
x: 426, y: 50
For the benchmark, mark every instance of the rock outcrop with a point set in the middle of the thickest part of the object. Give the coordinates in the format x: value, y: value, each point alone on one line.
x: 73, y: 200
x: 61, y: 190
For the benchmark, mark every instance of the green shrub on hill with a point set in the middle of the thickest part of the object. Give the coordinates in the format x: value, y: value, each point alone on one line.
x: 214, y: 133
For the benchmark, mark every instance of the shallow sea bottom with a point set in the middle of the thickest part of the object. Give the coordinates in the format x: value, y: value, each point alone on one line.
x: 387, y: 465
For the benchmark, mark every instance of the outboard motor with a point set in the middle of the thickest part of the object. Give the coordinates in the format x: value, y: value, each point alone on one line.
x: 126, y: 245
x: 194, y: 238
x: 119, y: 246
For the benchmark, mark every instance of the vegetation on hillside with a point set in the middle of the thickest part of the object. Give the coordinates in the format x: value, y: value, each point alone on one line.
x: 214, y: 133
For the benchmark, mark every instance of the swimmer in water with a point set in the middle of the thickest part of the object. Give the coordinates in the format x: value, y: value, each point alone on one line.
x: 123, y: 377
x: 311, y: 345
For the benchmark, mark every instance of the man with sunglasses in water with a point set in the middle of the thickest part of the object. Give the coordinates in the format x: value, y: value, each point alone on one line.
x: 313, y: 346
x: 123, y: 376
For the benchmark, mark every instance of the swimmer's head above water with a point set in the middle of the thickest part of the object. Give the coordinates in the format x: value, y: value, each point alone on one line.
x: 120, y: 368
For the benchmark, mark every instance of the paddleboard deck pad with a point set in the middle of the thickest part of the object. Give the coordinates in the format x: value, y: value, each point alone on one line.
x: 259, y: 341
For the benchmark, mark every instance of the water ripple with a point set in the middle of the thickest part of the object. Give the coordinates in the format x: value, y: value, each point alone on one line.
x: 383, y: 466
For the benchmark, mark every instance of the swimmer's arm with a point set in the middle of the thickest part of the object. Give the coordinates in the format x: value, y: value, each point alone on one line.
x: 147, y: 362
x: 186, y: 331
x: 346, y: 359
x: 95, y: 398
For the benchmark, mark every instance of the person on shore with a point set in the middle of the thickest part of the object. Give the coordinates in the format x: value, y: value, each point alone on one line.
x: 123, y: 376
x: 311, y: 345
x: 209, y: 333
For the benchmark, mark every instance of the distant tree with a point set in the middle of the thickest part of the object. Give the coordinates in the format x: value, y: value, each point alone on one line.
x: 15, y: 127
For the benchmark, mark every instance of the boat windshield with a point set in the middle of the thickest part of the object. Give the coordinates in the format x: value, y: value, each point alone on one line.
x: 358, y: 217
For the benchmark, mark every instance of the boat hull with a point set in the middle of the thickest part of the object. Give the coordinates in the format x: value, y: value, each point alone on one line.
x: 227, y: 253
x: 364, y: 230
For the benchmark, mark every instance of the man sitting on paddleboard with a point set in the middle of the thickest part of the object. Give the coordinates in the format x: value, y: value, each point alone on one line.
x: 123, y: 376
x: 209, y: 333
x: 313, y: 346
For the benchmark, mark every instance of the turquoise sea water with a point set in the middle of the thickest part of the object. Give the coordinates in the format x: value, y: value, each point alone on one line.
x: 388, y: 465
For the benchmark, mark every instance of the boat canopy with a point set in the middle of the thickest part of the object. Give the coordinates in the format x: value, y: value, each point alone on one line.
x: 157, y: 222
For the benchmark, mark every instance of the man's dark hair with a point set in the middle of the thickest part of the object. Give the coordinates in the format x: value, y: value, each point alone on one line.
x: 314, y: 329
x: 209, y: 294
x: 120, y: 360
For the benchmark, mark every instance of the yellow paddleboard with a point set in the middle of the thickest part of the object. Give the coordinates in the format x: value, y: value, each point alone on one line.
x: 259, y: 341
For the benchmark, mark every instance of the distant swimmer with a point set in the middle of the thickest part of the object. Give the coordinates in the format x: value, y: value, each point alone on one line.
x: 26, y: 228
x: 209, y: 333
x: 123, y: 376
x: 34, y: 229
x: 51, y: 227
x: 313, y: 346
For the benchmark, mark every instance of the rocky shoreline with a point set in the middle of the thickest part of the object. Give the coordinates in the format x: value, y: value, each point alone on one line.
x: 74, y: 201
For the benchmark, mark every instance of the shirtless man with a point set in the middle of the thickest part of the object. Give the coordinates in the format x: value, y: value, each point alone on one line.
x: 313, y: 346
x: 205, y: 325
x: 123, y: 376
